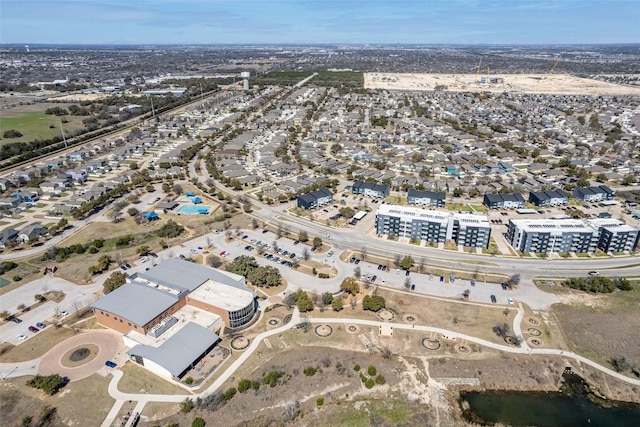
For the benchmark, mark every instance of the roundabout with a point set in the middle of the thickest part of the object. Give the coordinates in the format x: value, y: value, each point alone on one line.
x: 87, y: 355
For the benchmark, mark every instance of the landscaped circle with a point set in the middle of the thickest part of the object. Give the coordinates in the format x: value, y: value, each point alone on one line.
x: 535, y: 332
x: 431, y: 344
x: 79, y: 356
x: 240, y: 343
x: 463, y: 349
x: 274, y: 321
x: 409, y: 318
x: 323, y: 330
x: 535, y: 342
x: 386, y: 314
x: 533, y: 321
x: 353, y: 329
x: 286, y: 319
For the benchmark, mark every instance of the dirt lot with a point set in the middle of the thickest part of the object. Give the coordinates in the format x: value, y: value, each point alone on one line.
x: 516, y: 83
x: 602, y: 326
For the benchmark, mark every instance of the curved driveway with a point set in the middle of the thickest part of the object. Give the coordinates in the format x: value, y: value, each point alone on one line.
x: 108, y: 343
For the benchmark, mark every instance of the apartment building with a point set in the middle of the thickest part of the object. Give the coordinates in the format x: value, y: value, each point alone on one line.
x: 433, y: 226
x: 571, y: 235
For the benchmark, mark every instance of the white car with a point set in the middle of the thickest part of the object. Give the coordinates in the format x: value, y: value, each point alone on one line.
x: 21, y: 337
x: 330, y: 253
x: 594, y: 273
x: 510, y: 301
x: 63, y: 313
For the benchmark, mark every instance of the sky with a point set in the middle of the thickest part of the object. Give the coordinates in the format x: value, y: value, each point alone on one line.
x: 319, y: 21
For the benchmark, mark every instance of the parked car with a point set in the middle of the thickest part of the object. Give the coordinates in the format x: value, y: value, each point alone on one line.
x: 63, y: 313
x: 41, y: 325
x: 594, y: 273
x: 493, y: 299
x: 21, y: 337
x: 110, y: 364
x: 124, y: 267
x: 153, y: 254
x: 16, y: 320
x: 330, y: 253
x: 510, y: 301
x: 296, y: 242
x: 373, y: 279
x: 33, y: 329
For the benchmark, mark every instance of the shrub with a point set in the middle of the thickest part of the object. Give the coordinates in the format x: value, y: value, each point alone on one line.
x: 244, y: 385
x: 188, y: 381
x: 49, y: 384
x: 372, y: 371
x: 255, y: 385
x: 337, y: 304
x: 198, y: 422
x: 369, y: 383
x: 93, y: 250
x: 320, y: 401
x: 356, y: 368
x: 228, y: 395
x: 272, y: 378
x: 17, y: 278
x: 310, y: 371
x: 323, y: 276
x: 186, y: 405
x: 373, y: 302
x: 380, y: 380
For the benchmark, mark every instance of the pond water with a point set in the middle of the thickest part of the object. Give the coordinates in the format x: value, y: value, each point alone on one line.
x: 554, y: 409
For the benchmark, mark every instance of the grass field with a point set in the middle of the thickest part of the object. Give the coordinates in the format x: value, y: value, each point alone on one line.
x: 38, y: 345
x: 36, y: 125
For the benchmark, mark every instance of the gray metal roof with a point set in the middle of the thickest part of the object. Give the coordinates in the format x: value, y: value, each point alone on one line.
x: 181, y: 350
x: 186, y: 276
x: 136, y: 303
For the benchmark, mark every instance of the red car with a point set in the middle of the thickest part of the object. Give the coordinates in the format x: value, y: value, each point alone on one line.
x: 373, y: 279
x: 33, y: 329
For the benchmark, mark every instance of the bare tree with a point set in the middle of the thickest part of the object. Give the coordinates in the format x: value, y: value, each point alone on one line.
x: 353, y: 303
x: 364, y: 253
x: 421, y: 264
x: 305, y: 324
x: 76, y: 308
x: 407, y: 282
x: 396, y: 260
x: 254, y: 223
x: 357, y: 272
x: 274, y: 245
x: 385, y: 352
x: 290, y: 411
x: 306, y: 254
x: 279, y: 230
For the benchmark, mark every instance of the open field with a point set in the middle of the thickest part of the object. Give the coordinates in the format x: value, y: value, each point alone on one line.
x: 34, y: 124
x: 601, y: 327
x: 81, y: 403
x: 513, y: 83
x: 137, y: 379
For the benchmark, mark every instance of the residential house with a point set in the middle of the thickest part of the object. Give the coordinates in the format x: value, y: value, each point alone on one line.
x: 8, y: 236
x: 31, y: 231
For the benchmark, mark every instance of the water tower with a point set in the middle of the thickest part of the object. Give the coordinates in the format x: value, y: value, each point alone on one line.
x: 245, y: 79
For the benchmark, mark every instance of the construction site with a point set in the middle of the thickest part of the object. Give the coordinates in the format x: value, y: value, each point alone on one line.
x: 486, y: 81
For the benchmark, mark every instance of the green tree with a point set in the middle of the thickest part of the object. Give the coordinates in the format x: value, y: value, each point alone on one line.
x: 327, y: 298
x: 143, y: 250
x: 304, y: 303
x: 265, y: 276
x: 303, y: 236
x: 337, y: 304
x: 373, y: 303
x: 50, y: 384
x: 317, y: 242
x: 407, y: 262
x: 350, y: 286
x: 243, y: 265
x: 114, y: 281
